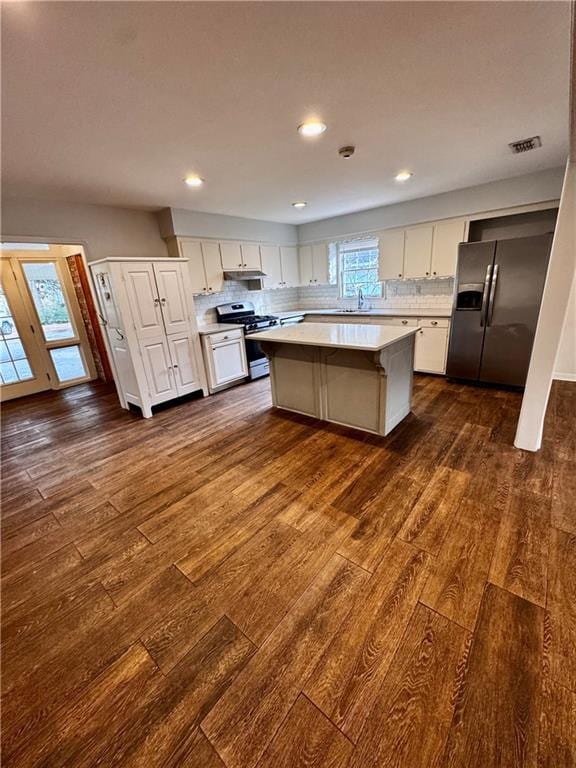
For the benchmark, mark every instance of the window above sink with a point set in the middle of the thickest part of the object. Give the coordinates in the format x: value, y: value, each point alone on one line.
x: 358, y: 268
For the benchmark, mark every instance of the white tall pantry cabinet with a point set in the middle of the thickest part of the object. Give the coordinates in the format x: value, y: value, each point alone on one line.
x: 147, y: 310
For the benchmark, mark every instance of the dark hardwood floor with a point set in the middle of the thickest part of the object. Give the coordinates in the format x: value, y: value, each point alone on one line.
x: 224, y: 585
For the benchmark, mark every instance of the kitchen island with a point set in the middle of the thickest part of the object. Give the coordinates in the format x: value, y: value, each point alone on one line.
x: 356, y: 375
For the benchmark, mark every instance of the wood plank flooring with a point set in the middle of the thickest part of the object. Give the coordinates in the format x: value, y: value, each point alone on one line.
x: 225, y: 586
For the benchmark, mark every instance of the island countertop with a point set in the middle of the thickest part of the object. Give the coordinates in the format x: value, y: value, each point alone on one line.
x: 371, y: 338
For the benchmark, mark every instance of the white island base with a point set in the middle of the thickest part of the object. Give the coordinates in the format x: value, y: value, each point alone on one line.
x: 359, y: 376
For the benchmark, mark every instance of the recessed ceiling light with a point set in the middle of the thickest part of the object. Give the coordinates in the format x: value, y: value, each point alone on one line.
x: 194, y: 181
x: 300, y: 204
x: 403, y: 176
x: 312, y: 128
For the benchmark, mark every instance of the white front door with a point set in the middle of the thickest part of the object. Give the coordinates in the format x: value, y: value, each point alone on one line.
x: 184, y: 364
x: 144, y: 300
x: 170, y: 283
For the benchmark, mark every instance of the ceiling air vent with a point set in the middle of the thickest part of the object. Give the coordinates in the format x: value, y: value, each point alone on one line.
x: 525, y: 145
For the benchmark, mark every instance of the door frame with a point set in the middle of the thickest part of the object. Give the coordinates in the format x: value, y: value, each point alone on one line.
x: 36, y: 359
x: 64, y: 275
x: 80, y: 338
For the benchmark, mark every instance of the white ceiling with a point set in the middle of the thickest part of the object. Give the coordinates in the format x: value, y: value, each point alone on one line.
x: 113, y: 102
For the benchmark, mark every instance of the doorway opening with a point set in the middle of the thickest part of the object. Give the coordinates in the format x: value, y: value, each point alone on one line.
x: 48, y: 338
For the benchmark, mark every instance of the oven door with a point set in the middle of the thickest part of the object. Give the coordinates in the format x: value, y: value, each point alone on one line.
x: 257, y: 361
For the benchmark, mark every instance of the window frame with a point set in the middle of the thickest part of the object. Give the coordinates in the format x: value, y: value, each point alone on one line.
x: 353, y: 246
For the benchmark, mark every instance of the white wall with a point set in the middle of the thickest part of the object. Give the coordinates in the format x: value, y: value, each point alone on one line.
x: 184, y: 223
x: 553, y: 312
x: 506, y: 193
x: 106, y: 231
x: 565, y: 366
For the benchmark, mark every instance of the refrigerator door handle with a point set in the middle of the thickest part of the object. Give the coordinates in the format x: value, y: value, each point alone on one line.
x: 485, y: 294
x: 492, y: 295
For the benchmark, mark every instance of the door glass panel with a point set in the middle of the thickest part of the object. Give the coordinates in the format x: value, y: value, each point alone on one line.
x: 49, y: 300
x: 68, y: 363
x: 13, y: 361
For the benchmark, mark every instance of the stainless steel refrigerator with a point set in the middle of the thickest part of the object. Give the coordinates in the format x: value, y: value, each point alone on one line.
x: 499, y: 286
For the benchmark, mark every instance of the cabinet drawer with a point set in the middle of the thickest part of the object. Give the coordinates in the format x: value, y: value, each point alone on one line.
x: 216, y: 338
x: 409, y: 321
x: 434, y: 322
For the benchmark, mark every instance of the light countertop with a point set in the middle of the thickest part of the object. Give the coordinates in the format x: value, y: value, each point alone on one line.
x: 379, y: 312
x: 205, y: 330
x: 371, y: 338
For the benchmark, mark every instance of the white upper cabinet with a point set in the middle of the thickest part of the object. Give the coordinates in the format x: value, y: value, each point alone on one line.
x: 237, y: 256
x: 290, y: 266
x: 250, y: 256
x: 143, y: 299
x: 447, y: 236
x: 192, y: 251
x: 391, y: 255
x: 271, y: 266
x: 306, y: 267
x: 170, y: 283
x: 314, y: 264
x: 204, y: 265
x: 430, y: 250
x: 320, y: 264
x: 231, y: 255
x: 212, y: 267
x: 157, y: 298
x: 418, y: 251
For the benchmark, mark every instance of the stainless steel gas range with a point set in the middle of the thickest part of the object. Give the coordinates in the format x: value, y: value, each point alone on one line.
x: 243, y: 313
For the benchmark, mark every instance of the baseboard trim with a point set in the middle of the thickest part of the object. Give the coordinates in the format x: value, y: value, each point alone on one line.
x: 565, y: 376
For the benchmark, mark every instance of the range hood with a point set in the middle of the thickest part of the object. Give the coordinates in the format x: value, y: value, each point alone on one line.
x: 244, y: 274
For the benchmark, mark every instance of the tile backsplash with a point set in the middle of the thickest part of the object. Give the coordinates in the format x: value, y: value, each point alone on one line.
x: 396, y: 294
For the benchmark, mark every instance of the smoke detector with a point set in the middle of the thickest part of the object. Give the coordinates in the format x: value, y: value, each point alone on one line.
x: 525, y: 145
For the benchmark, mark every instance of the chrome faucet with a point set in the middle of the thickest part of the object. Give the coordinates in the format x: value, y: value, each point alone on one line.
x: 360, y: 299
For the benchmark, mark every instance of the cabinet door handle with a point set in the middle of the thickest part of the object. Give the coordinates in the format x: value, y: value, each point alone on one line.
x: 239, y: 265
x: 433, y: 273
x: 175, y: 366
x: 427, y: 273
x: 120, y: 334
x: 163, y: 301
x: 434, y: 322
x: 156, y: 301
x: 404, y: 322
x: 399, y: 274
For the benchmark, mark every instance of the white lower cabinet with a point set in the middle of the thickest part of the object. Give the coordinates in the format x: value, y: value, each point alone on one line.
x: 225, y: 356
x: 431, y: 340
x: 184, y: 364
x: 158, y: 369
x: 431, y: 346
x: 171, y: 370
